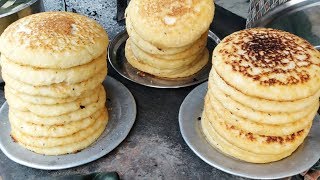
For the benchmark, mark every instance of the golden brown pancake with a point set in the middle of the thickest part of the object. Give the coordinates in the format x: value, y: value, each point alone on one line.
x: 269, y: 64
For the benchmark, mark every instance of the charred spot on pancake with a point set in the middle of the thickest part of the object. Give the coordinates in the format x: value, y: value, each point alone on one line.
x: 268, y: 56
x: 13, y: 138
x: 250, y: 136
x: 82, y: 107
x: 282, y: 139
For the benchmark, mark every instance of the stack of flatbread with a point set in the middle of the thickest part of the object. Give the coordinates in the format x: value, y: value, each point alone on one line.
x: 53, y: 65
x: 263, y: 94
x: 167, y: 38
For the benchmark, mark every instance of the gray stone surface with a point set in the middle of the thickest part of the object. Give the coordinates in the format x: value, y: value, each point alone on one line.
x: 103, y: 11
x: 154, y: 148
x: 238, y: 7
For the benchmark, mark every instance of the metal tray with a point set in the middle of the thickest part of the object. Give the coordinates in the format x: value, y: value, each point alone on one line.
x: 117, y: 59
x: 301, y: 160
x: 122, y: 114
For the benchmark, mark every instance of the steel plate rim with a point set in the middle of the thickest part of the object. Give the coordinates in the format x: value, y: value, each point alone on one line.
x: 94, y: 157
x: 212, y: 162
x: 212, y: 35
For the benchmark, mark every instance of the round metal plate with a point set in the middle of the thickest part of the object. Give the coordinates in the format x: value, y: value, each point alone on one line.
x: 302, y: 159
x: 122, y: 114
x: 116, y: 56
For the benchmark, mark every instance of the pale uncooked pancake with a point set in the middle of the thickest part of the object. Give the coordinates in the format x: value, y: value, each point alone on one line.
x: 44, y: 76
x: 158, y: 62
x: 47, y: 142
x: 55, y: 109
x: 147, y: 46
x: 63, y: 119
x: 254, y: 127
x: 69, y: 148
x: 175, y: 73
x: 229, y: 149
x: 259, y: 116
x: 54, y: 40
x: 171, y: 23
x: 44, y: 100
x: 269, y: 64
x: 258, y: 103
x: 61, y: 90
x: 258, y: 144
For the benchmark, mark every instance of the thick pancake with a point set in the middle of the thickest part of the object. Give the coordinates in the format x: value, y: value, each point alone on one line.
x: 161, y: 63
x: 196, y: 47
x: 171, y: 23
x: 254, y: 143
x: 269, y: 64
x: 258, y: 103
x: 61, y: 90
x: 44, y: 100
x: 55, y: 109
x: 66, y: 129
x: 48, y: 142
x: 229, y: 149
x: 254, y: 127
x: 63, y: 119
x: 147, y: 46
x: 54, y: 40
x: 43, y: 76
x: 175, y: 73
x: 246, y: 112
x: 69, y: 148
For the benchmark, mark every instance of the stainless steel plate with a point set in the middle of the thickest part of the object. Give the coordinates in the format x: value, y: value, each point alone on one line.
x: 122, y: 115
x: 116, y: 56
x: 302, y: 159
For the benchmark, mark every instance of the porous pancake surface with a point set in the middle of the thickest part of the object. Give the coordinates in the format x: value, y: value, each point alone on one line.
x: 67, y: 129
x: 269, y: 64
x: 229, y: 149
x: 211, y: 104
x: 171, y: 23
x: 45, y: 100
x: 77, y: 115
x: 47, y: 142
x: 259, y: 103
x: 147, y: 46
x: 44, y: 76
x: 55, y: 109
x: 259, y: 144
x: 53, y: 40
x: 73, y: 147
x: 160, y: 63
x: 181, y: 72
x: 60, y: 90
x: 259, y: 116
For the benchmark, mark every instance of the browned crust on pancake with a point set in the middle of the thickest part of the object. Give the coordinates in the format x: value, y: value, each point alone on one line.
x: 272, y: 51
x: 173, y: 8
x: 49, y: 30
x: 267, y: 139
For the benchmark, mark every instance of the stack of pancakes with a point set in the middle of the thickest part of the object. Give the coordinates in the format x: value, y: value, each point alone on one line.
x: 167, y: 38
x: 262, y: 95
x: 53, y: 65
